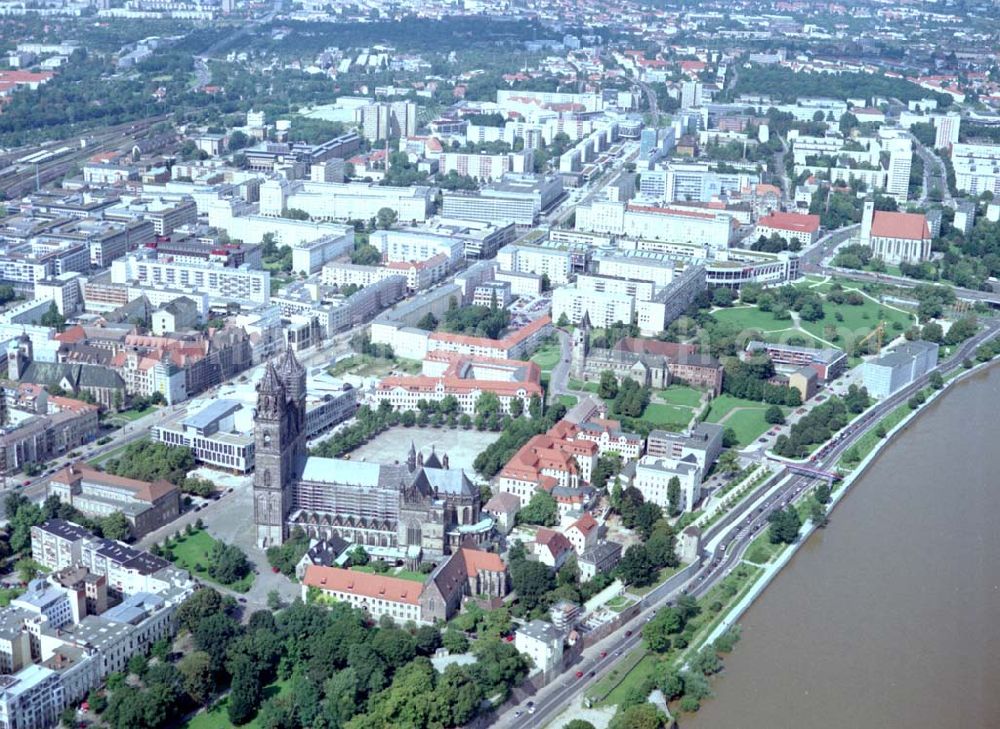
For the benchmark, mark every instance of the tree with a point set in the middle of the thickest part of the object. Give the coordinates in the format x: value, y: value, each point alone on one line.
x: 608, y: 387
x: 245, y: 693
x: 454, y: 641
x: 116, y: 526
x: 722, y: 296
x: 359, y: 557
x: 228, y: 563
x: 936, y: 380
x: 636, y: 567
x: 386, y: 218
x: 27, y: 569
x: 674, y: 495
x: 774, y: 415
x: 531, y: 580
x: 640, y: 716
x: 563, y: 321
x: 203, y: 603
x: 542, y: 510
x: 785, y: 525
x: 52, y: 318
x: 657, y: 632
x: 578, y: 724
x: 428, y: 322
x: 932, y: 332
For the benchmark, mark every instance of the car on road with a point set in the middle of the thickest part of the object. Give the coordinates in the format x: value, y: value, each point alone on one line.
x: 592, y: 674
x: 604, y: 654
x: 518, y: 713
x: 579, y: 674
x: 628, y: 633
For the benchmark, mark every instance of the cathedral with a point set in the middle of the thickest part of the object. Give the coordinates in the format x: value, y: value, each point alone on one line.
x: 587, y: 363
x: 418, y: 509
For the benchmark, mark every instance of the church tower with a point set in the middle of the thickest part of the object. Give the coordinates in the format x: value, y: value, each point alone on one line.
x: 581, y: 347
x: 279, y: 443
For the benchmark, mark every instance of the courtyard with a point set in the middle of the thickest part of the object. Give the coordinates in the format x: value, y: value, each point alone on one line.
x: 462, y: 446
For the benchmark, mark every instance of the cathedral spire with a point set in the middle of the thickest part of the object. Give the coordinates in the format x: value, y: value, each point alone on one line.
x: 270, y: 382
x: 411, y: 458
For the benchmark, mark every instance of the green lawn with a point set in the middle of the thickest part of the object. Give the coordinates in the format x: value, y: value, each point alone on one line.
x: 400, y: 573
x: 667, y: 415
x: 751, y: 318
x: 761, y: 551
x: 748, y: 423
x: 192, y: 553
x: 643, y: 669
x: 113, y: 453
x: 723, y: 404
x: 217, y: 718
x: 619, y: 603
x: 547, y: 356
x: 131, y: 415
x: 580, y: 385
x: 869, y: 440
x: 568, y: 400
x: 681, y: 395
x: 9, y: 593
x: 857, y: 320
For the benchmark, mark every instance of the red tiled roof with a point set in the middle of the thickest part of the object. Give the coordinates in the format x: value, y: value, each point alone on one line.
x: 791, y: 221
x: 366, y: 584
x: 585, y: 524
x: 911, y: 226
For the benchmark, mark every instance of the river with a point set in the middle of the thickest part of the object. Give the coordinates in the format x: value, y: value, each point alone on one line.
x: 890, y: 617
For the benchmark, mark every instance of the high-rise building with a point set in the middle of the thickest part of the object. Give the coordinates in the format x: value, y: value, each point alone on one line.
x: 946, y: 130
x: 900, y: 159
x: 690, y: 94
x: 388, y: 120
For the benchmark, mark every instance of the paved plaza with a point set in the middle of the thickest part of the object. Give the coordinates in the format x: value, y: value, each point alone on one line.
x: 462, y: 446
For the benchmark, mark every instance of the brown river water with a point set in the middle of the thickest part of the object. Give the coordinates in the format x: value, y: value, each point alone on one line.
x: 890, y: 617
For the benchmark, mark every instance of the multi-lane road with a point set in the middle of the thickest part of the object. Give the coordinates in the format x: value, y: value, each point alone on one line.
x: 729, y: 538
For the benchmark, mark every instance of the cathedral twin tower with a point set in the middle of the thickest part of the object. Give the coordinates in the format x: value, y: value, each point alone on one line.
x: 280, y: 445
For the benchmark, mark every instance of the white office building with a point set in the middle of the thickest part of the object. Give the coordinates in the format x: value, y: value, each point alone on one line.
x: 900, y: 367
x: 604, y: 307
x: 226, y: 285
x: 653, y: 476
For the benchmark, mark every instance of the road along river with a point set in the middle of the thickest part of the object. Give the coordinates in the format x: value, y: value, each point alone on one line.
x: 890, y: 617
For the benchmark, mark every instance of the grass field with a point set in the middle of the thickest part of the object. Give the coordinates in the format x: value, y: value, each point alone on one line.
x: 681, y: 395
x: 113, y: 453
x: 858, y: 320
x: 646, y: 666
x: 869, y: 440
x: 217, y: 718
x: 579, y: 385
x: 547, y: 356
x: 748, y: 421
x: 400, y: 573
x: 568, y: 400
x: 192, y: 553
x: 761, y: 551
x: 750, y: 317
x: 129, y: 416
x: 662, y: 415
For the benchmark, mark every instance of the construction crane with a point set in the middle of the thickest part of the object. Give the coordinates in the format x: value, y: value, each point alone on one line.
x: 878, y: 332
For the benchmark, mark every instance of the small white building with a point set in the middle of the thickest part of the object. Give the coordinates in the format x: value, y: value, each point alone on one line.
x: 541, y: 642
x: 653, y: 475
